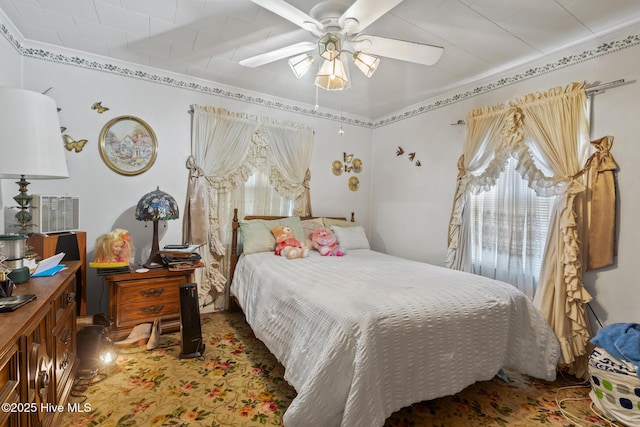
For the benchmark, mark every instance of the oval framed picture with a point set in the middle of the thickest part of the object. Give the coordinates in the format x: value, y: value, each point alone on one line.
x: 128, y: 145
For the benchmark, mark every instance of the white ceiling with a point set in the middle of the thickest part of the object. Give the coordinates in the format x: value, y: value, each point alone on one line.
x: 207, y: 38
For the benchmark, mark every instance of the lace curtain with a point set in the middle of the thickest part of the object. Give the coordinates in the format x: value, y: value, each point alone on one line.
x: 547, y: 135
x: 508, y: 230
x: 226, y: 150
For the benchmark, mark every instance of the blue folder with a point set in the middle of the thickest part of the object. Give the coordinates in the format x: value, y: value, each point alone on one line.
x: 50, y: 272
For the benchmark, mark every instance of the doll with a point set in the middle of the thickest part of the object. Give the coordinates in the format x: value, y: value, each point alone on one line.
x: 325, y: 241
x: 114, y: 246
x: 286, y: 244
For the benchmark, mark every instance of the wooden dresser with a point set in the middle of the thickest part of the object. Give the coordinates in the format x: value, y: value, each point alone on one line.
x: 38, y: 351
x: 136, y: 298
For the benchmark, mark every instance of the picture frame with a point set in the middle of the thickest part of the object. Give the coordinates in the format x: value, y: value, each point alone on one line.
x: 128, y: 145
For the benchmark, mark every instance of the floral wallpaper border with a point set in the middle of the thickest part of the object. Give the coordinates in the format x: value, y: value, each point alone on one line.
x: 566, y: 61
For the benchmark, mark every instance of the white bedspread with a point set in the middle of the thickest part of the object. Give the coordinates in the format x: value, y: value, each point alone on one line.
x: 364, y: 335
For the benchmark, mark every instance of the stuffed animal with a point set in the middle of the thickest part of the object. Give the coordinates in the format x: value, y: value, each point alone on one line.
x: 326, y: 242
x: 287, y: 245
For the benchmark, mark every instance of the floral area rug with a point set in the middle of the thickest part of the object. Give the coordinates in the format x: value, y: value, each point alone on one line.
x: 237, y: 382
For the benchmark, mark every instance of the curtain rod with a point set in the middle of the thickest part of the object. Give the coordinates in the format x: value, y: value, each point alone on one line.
x: 593, y: 90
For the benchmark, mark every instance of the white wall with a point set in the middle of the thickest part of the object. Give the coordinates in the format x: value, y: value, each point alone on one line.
x: 11, y: 70
x: 411, y: 206
x: 10, y: 76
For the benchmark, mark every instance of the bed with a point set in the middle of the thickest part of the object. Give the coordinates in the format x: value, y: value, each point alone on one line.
x: 364, y: 335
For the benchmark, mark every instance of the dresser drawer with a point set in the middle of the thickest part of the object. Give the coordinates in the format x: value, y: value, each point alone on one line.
x: 65, y: 299
x: 9, y: 382
x: 64, y: 352
x: 134, y: 314
x: 148, y: 292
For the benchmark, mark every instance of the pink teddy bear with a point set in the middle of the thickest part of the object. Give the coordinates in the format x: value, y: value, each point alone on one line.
x: 326, y: 243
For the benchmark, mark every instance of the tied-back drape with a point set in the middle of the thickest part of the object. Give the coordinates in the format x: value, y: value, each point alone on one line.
x: 601, y: 168
x: 226, y: 149
x: 547, y: 135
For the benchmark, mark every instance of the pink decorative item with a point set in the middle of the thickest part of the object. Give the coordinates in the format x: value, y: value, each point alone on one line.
x: 326, y: 242
x: 287, y: 245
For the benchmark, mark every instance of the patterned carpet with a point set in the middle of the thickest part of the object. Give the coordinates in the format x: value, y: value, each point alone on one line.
x: 239, y: 383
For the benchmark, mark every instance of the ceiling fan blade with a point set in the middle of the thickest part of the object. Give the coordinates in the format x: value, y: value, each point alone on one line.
x: 363, y: 13
x: 419, y: 53
x: 275, y: 55
x: 291, y: 13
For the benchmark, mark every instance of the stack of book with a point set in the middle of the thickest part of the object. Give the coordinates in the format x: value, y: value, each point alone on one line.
x: 181, y: 257
x: 106, y: 268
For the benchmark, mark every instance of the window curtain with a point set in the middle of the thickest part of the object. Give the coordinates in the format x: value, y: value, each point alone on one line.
x: 558, y: 125
x: 545, y: 133
x: 480, y: 160
x: 226, y: 150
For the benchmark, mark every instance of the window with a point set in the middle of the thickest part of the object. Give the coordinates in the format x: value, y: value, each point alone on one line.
x: 508, y: 228
x: 260, y: 198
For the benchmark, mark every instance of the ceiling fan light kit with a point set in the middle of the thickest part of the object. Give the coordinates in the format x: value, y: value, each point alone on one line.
x: 329, y: 46
x: 366, y: 63
x: 301, y: 64
x: 333, y: 75
x: 338, y: 27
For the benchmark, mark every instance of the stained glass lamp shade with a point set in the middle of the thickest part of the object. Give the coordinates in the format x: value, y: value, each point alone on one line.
x: 156, y: 206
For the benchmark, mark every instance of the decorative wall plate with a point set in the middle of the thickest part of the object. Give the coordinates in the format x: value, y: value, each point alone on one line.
x: 128, y: 145
x: 336, y: 167
x: 356, y: 165
x: 354, y: 183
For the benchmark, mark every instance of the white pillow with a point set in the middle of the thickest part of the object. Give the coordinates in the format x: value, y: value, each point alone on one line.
x: 351, y: 237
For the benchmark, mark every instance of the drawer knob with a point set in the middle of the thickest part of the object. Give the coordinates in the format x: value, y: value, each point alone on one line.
x: 154, y: 292
x: 65, y: 360
x: 66, y: 336
x: 152, y: 309
x: 69, y: 297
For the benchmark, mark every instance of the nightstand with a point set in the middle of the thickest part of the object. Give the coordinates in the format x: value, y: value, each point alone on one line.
x: 136, y: 298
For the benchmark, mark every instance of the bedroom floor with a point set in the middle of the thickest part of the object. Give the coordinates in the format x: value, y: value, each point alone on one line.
x: 238, y: 382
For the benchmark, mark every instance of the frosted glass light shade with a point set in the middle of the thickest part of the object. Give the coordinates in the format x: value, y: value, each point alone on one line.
x: 366, y: 63
x: 329, y: 46
x: 332, y: 75
x: 300, y: 64
x: 30, y: 137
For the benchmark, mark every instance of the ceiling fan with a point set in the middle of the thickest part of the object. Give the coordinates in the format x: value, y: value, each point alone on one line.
x: 338, y: 28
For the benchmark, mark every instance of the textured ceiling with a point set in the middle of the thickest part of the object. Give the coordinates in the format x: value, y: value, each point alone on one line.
x: 207, y: 38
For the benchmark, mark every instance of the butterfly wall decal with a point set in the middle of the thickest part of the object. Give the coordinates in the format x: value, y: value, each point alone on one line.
x: 399, y: 151
x: 418, y: 163
x: 412, y: 156
x: 71, y: 144
x: 98, y: 107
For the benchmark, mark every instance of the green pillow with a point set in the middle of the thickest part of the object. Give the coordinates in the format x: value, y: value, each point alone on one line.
x: 257, y: 236
x: 328, y: 223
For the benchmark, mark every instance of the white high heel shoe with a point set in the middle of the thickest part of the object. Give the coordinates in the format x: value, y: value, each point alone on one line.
x: 156, y: 331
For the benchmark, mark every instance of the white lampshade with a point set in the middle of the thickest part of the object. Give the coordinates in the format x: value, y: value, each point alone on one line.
x: 30, y: 138
x: 300, y: 64
x: 366, y: 63
x: 333, y: 75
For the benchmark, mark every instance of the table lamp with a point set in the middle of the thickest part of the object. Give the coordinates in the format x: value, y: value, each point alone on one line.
x: 31, y: 144
x: 156, y: 206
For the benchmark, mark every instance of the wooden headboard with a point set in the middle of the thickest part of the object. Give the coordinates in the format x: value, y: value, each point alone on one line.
x: 236, y: 225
